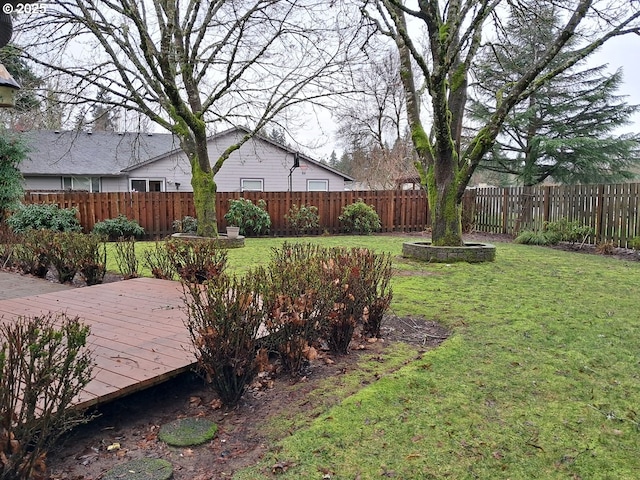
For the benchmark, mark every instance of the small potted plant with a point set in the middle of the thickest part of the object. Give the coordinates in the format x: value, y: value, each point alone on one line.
x: 233, y: 231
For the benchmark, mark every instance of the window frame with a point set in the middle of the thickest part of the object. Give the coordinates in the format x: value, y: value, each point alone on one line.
x: 163, y: 184
x: 68, y: 183
x: 243, y: 189
x: 325, y: 181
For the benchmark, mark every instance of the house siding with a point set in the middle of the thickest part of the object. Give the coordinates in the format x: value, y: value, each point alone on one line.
x: 256, y: 159
x: 42, y: 183
x: 174, y: 170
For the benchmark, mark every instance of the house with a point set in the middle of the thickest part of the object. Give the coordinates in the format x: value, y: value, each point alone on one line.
x: 123, y: 162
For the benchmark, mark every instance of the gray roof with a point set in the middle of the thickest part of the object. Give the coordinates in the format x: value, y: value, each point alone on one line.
x: 95, y: 154
x: 103, y: 154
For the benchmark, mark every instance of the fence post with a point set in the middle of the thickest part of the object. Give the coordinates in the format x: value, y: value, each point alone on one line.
x: 505, y: 208
x: 599, y: 214
x: 546, y: 204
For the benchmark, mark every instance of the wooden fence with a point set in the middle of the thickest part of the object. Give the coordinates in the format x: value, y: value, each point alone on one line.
x: 613, y: 211
x: 399, y: 210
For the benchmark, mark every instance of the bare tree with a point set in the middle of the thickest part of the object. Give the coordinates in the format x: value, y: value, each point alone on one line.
x: 372, y: 122
x: 437, y: 41
x: 374, y: 114
x: 192, y: 66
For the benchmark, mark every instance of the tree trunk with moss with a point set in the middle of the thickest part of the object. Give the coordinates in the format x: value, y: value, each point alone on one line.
x: 204, y: 199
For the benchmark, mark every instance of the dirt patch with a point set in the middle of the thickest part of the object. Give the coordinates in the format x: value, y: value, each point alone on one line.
x: 127, y: 429
x: 625, y: 254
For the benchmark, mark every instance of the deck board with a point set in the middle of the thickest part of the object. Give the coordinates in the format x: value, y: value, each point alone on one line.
x: 138, y: 337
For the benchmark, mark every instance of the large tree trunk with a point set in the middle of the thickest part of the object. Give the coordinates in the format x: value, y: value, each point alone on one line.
x: 446, y: 207
x: 204, y: 199
x: 204, y: 186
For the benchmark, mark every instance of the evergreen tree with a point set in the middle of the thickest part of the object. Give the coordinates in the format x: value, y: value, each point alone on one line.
x: 565, y: 129
x: 26, y: 98
x: 278, y: 136
x: 105, y: 118
x: 333, y: 159
x: 12, y: 152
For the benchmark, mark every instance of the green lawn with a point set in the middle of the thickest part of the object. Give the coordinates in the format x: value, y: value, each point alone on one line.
x: 540, y: 378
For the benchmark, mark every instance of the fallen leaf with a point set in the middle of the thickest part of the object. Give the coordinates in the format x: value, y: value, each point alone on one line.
x: 113, y: 447
x: 280, y: 467
x: 310, y: 353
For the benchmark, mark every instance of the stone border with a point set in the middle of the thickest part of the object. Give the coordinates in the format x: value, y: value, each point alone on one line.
x: 471, y: 252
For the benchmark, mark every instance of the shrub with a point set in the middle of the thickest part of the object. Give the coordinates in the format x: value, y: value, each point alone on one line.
x: 375, y: 277
x: 198, y: 260
x: 315, y: 292
x: 362, y: 294
x: 92, y: 259
x: 115, y: 228
x: 303, y: 218
x: 564, y: 231
x: 186, y: 225
x: 44, y: 216
x: 125, y: 253
x: 342, y: 271
x: 360, y: 218
x: 534, y: 237
x: 297, y: 300
x: 157, y: 260
x: 605, y: 248
x: 635, y: 243
x: 252, y: 219
x: 43, y: 366
x: 64, y: 254
x: 223, y: 320
x: 32, y: 252
x: 8, y: 242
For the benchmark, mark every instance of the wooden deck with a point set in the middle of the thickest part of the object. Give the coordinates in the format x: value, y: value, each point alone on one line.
x: 138, y: 337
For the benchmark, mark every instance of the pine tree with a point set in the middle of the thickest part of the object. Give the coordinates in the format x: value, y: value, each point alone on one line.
x: 12, y: 152
x: 105, y: 118
x: 565, y: 129
x: 333, y: 159
x: 21, y: 71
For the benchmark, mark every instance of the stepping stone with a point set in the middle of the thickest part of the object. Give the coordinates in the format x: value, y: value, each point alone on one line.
x: 141, y: 469
x: 187, y: 432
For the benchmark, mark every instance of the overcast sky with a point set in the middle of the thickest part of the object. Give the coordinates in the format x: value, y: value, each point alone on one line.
x: 624, y: 52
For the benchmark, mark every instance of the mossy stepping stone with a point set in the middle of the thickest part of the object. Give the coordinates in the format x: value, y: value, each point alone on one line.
x: 187, y: 432
x: 141, y: 469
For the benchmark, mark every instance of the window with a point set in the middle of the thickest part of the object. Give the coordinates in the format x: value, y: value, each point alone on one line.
x: 146, y: 185
x: 317, y: 185
x: 138, y: 185
x: 251, y: 185
x: 88, y: 184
